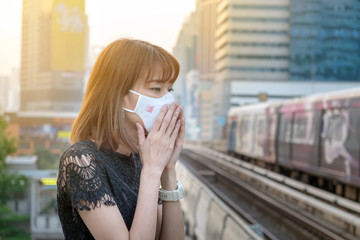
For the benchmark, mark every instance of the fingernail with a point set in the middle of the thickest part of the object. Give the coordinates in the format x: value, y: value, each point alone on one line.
x: 178, y: 109
x: 178, y: 121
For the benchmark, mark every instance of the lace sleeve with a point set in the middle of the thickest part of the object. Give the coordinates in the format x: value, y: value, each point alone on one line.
x: 83, y: 182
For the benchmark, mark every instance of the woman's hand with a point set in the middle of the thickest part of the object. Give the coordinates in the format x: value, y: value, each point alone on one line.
x: 179, y: 142
x: 157, y: 148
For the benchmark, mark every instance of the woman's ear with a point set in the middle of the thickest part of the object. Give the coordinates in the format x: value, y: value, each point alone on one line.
x: 130, y: 100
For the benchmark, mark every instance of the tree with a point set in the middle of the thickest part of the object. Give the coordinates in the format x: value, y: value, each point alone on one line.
x: 7, y: 146
x: 46, y: 159
x: 11, y: 186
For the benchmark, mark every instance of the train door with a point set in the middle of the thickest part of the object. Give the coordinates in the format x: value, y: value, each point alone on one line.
x: 244, y: 135
x: 284, y: 138
x: 259, y: 136
x: 340, y: 143
x: 271, y: 138
x: 232, y: 136
x: 305, y: 140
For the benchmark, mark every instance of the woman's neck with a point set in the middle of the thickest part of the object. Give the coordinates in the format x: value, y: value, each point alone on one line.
x: 122, y: 148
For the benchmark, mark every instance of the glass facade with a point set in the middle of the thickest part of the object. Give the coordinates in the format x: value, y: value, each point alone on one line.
x: 325, y: 40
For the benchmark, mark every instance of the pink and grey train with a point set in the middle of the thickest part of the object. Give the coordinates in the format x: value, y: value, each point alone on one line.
x: 315, y: 139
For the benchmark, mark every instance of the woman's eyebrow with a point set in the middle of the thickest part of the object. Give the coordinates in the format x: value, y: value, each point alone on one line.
x: 156, y: 80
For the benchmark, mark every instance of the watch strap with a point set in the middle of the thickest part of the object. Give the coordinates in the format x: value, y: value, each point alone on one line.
x: 173, y: 195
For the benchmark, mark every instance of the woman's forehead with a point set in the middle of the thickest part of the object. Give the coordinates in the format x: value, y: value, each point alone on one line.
x: 145, y: 82
x: 157, y: 81
x: 157, y: 74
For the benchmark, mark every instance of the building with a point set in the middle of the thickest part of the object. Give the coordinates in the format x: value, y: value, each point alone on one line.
x: 185, y: 52
x: 10, y: 92
x: 195, y: 50
x: 13, y: 104
x: 205, y: 58
x: 207, y: 15
x: 4, y: 86
x: 53, y: 52
x: 35, y: 130
x: 190, y: 113
x: 251, y: 46
x: 39, y: 201
x: 198, y: 114
x: 268, y: 50
x: 325, y: 40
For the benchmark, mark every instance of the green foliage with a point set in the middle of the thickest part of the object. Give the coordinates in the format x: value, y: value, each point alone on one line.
x: 46, y: 159
x: 11, y: 186
x: 7, y: 146
x: 9, y: 224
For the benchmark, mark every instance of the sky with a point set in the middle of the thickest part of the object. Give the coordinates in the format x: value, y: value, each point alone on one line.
x: 156, y: 21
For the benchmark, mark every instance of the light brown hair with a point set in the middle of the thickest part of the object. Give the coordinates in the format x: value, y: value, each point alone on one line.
x: 117, y: 69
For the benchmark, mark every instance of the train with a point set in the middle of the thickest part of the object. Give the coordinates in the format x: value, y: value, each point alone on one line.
x: 314, y: 139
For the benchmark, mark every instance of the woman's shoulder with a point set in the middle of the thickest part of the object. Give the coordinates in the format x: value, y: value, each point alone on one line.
x: 81, y: 154
x: 79, y: 148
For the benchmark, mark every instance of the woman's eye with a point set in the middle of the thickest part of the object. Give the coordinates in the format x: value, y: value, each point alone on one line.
x: 171, y: 90
x: 156, y: 89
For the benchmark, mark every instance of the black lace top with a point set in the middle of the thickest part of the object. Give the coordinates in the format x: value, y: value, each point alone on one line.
x: 88, y: 178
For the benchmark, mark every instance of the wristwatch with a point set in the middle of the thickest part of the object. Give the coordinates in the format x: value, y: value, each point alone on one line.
x: 173, y: 195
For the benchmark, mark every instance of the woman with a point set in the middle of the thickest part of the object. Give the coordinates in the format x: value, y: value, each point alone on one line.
x: 127, y: 139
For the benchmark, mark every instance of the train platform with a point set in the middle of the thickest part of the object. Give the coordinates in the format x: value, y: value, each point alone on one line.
x: 228, y: 198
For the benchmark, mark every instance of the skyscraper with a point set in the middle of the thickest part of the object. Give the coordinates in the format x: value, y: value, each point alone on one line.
x: 53, y: 50
x: 185, y: 52
x: 325, y: 40
x: 251, y: 46
x: 207, y: 17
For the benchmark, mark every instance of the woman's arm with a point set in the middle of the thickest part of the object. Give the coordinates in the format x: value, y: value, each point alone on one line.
x: 172, y: 226
x: 106, y: 222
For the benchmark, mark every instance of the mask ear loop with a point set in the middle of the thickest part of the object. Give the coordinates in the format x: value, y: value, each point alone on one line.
x: 134, y: 92
x: 126, y: 109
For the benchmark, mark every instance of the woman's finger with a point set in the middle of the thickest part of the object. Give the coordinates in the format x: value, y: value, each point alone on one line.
x: 173, y: 120
x: 141, y: 134
x: 167, y: 119
x: 181, y: 113
x: 182, y: 128
x: 181, y: 134
x: 175, y: 133
x: 159, y: 118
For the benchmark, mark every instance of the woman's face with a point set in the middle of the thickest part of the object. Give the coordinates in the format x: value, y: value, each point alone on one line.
x: 155, y: 89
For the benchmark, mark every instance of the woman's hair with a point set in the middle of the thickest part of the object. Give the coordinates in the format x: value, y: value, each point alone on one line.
x: 117, y: 69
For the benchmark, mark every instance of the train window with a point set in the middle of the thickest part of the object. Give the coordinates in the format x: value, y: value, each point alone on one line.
x: 260, y: 125
x: 232, y: 130
x: 340, y: 141
x: 334, y: 125
x: 258, y: 140
x: 285, y: 127
x: 244, y: 132
x: 303, y: 131
x: 244, y: 125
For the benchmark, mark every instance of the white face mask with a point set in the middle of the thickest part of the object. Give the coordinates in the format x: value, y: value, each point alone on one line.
x: 148, y: 108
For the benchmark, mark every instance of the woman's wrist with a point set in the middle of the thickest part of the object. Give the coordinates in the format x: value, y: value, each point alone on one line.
x: 168, y: 179
x: 151, y: 172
